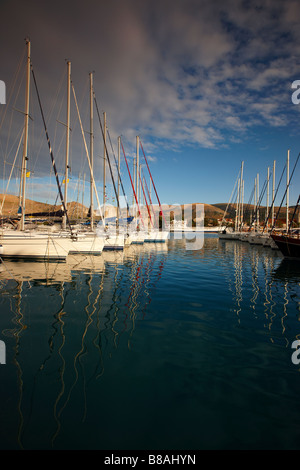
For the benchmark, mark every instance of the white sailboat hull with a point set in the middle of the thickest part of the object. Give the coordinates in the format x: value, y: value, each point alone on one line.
x: 39, y: 248
x: 156, y: 236
x: 114, y: 242
x: 229, y: 236
x: 36, y: 245
x: 87, y: 245
x: 135, y: 238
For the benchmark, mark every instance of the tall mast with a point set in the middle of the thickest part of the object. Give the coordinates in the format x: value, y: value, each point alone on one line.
x: 104, y: 167
x: 119, y: 156
x: 257, y: 198
x: 25, y: 142
x: 242, y: 211
x: 134, y: 181
x: 241, y: 196
x: 287, y: 190
x: 255, y: 208
x: 64, y: 220
x: 268, y: 195
x: 91, y: 150
x: 140, y: 186
x: 237, y: 207
x: 137, y: 169
x: 273, y: 193
x: 83, y: 194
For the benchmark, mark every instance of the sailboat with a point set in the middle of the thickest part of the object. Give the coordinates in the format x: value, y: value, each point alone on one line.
x: 235, y: 234
x: 22, y: 243
x: 52, y: 245
x: 80, y: 243
x: 289, y: 243
x: 154, y: 234
x: 113, y: 238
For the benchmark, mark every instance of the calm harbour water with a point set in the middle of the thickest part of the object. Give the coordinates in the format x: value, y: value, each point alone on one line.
x: 158, y: 347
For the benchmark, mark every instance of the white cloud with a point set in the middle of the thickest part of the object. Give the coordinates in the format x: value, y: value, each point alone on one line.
x: 192, y: 72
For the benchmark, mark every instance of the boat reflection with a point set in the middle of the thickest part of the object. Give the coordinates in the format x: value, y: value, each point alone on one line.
x: 288, y: 270
x: 69, y: 320
x: 267, y: 274
x: 50, y: 272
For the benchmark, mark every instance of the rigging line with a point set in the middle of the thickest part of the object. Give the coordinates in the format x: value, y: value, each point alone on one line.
x: 256, y: 209
x: 247, y: 210
x: 51, y: 153
x: 12, y: 146
x: 231, y: 206
x: 153, y: 182
x: 258, y: 205
x: 275, y: 196
x: 74, y: 127
x: 145, y: 196
x: 233, y: 191
x: 49, y: 117
x: 11, y: 172
x: 287, y: 187
x: 149, y: 196
x: 87, y: 155
x: 108, y: 159
x: 119, y: 175
x: 132, y: 185
x: 294, y: 213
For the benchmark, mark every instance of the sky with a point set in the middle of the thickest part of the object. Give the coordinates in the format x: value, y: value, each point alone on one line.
x: 206, y: 85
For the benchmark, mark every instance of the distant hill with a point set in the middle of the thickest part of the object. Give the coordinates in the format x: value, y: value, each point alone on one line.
x: 77, y: 210
x: 250, y: 208
x: 11, y: 205
x: 209, y: 209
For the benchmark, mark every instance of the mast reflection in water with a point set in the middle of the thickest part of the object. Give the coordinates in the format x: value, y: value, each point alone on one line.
x: 156, y: 347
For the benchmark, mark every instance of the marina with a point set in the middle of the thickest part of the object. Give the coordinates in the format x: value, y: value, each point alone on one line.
x: 145, y: 303
x: 208, y: 332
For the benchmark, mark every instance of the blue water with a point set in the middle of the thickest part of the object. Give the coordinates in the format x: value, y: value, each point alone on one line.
x: 160, y: 347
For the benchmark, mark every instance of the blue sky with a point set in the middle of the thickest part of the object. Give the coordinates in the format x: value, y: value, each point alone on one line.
x: 205, y: 84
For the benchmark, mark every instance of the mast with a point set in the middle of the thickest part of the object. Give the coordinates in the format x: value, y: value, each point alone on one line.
x: 64, y: 218
x: 83, y: 195
x: 25, y: 142
x: 141, y: 190
x: 140, y: 184
x: 137, y: 170
x: 161, y: 211
x: 287, y: 190
x: 241, y: 196
x: 273, y: 193
x: 132, y: 185
x: 237, y: 207
x: 119, y: 156
x: 104, y: 167
x: 257, y: 198
x: 242, y: 211
x: 91, y: 150
x: 268, y: 195
x: 134, y: 178
x: 254, y: 212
